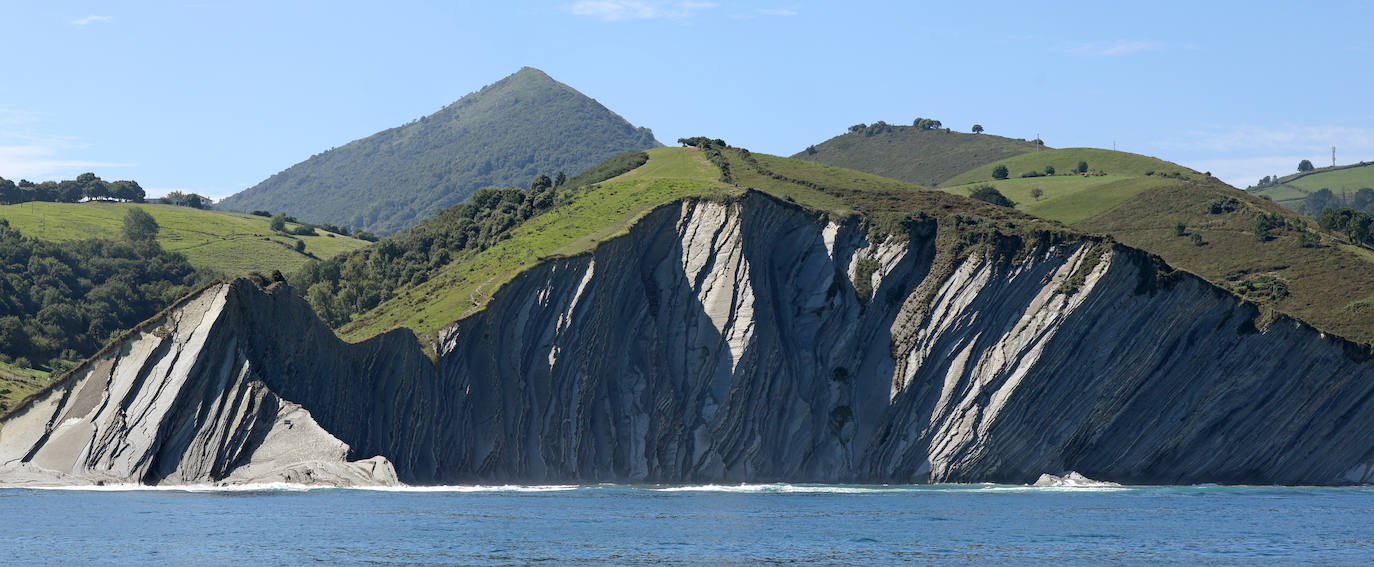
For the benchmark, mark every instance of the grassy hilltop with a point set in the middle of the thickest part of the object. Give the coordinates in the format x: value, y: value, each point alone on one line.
x: 231, y: 244
x: 1067, y: 195
x: 925, y: 157
x: 1342, y: 180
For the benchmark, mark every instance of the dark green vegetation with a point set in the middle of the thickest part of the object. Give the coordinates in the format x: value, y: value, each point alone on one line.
x: 502, y: 135
x: 990, y: 194
x: 1318, y: 189
x: 85, y: 186
x: 347, y: 285
x: 60, y: 301
x: 925, y: 154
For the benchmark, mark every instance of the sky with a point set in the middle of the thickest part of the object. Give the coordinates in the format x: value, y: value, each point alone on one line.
x: 213, y: 97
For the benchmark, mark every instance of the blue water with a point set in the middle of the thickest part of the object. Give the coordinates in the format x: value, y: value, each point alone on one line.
x: 768, y: 524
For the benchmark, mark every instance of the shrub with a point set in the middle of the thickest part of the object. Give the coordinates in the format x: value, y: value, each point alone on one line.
x: 139, y: 226
x: 300, y: 246
x: 1197, y: 239
x: 1032, y: 174
x: 999, y: 172
x: 1082, y: 167
x: 261, y: 213
x: 990, y: 194
x: 1180, y: 229
x: 1049, y: 170
x: 278, y: 222
x: 863, y: 278
x: 1037, y: 193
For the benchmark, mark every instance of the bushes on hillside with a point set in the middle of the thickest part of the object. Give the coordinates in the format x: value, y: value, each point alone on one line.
x: 59, y: 302
x: 999, y: 172
x: 1357, y: 226
x: 348, y: 284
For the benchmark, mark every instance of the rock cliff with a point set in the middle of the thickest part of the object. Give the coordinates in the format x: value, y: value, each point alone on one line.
x: 734, y: 341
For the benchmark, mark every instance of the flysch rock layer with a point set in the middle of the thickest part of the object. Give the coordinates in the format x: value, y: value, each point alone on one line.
x: 725, y: 342
x: 179, y: 403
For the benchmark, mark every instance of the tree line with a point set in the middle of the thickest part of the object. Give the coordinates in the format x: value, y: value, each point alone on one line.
x: 85, y: 187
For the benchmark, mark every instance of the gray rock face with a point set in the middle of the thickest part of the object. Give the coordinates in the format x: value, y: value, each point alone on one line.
x: 726, y: 342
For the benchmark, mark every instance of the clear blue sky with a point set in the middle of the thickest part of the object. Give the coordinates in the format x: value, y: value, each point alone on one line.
x: 215, y: 96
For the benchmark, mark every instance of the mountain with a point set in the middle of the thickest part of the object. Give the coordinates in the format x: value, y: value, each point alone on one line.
x: 669, y: 325
x: 1343, y: 182
x: 922, y: 156
x: 504, y: 134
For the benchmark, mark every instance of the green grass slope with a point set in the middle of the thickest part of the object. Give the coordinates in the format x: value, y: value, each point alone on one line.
x: 1067, y: 196
x: 1319, y: 278
x: 1065, y: 162
x: 502, y: 135
x: 906, y: 153
x: 598, y: 212
x: 232, y: 244
x: 17, y: 383
x: 1289, y: 191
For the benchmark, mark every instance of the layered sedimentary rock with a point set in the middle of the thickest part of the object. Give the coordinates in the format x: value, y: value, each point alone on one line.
x: 721, y: 342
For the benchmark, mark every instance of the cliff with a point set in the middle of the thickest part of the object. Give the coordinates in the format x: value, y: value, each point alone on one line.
x: 728, y: 341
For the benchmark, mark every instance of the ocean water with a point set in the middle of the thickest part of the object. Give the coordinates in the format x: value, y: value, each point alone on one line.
x: 691, y: 525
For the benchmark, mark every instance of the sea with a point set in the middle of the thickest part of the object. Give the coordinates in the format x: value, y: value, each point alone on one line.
x: 770, y: 524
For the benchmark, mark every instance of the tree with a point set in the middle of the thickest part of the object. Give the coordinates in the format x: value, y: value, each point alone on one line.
x: 1197, y: 239
x: 560, y: 179
x: 278, y: 222
x: 1305, y: 165
x: 127, y: 191
x: 541, y: 183
x: 999, y: 172
x: 858, y: 128
x: 1049, y: 170
x: 1180, y: 228
x: 9, y: 192
x: 1082, y: 166
x: 139, y: 226
x: 927, y: 124
x: 990, y: 194
x: 1037, y: 193
x: 977, y: 128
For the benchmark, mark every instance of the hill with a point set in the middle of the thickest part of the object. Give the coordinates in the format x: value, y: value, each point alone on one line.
x: 1295, y: 268
x: 1065, y: 162
x: 1343, y: 181
x: 502, y: 135
x: 925, y: 157
x: 229, y: 244
x: 1066, y: 195
x: 586, y: 215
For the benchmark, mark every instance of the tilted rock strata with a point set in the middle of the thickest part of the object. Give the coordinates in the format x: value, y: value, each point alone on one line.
x: 177, y: 404
x: 724, y: 342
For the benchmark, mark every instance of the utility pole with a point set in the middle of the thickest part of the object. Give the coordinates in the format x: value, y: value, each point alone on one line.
x: 1333, y: 156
